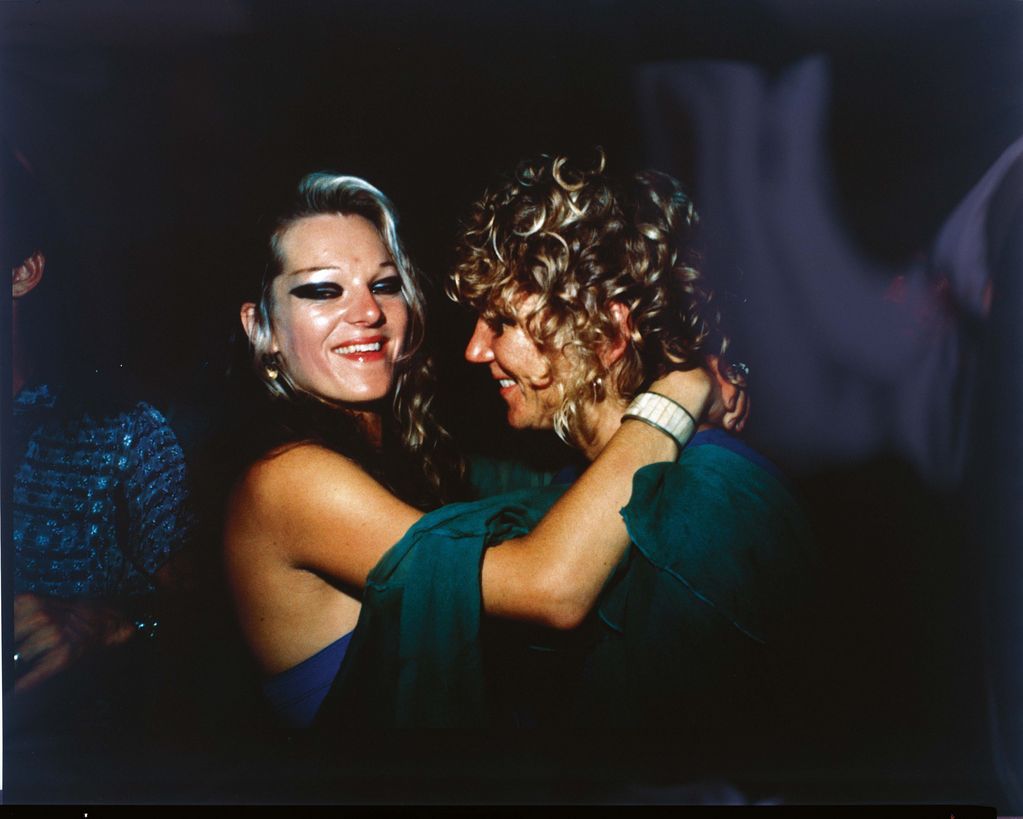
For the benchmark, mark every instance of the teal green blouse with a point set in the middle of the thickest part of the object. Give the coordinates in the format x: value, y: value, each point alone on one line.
x: 721, y: 558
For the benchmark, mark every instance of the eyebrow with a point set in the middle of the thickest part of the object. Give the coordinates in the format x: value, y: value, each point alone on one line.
x: 318, y: 268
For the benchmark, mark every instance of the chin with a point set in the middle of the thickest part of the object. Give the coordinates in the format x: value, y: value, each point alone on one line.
x: 350, y: 396
x: 367, y: 397
x: 515, y: 421
x: 528, y: 423
x: 364, y: 393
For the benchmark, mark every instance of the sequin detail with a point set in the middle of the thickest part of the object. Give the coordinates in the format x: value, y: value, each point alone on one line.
x: 98, y: 505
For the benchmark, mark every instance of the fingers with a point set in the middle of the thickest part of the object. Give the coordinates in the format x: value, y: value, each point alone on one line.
x: 49, y: 635
x: 727, y: 392
x: 27, y: 609
x: 730, y: 393
x: 40, y: 652
x: 38, y: 636
x: 732, y: 404
x: 44, y: 667
x: 741, y: 410
x: 120, y: 633
x: 693, y: 389
x: 735, y: 419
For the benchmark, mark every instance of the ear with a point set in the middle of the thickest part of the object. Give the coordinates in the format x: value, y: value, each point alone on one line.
x: 250, y: 323
x: 614, y: 349
x: 248, y: 317
x: 27, y: 275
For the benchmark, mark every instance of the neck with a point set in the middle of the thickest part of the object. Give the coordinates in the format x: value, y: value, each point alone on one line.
x: 604, y: 420
x: 607, y: 418
x: 371, y: 425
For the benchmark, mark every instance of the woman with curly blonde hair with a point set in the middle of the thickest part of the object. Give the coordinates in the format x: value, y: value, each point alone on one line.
x: 587, y: 290
x: 606, y: 275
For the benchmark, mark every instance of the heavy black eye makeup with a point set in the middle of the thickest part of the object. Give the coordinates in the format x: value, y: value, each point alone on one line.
x: 317, y: 291
x: 387, y: 287
x: 325, y: 290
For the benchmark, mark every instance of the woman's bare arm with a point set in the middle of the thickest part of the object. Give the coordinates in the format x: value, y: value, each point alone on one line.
x: 553, y: 574
x: 311, y: 508
x: 314, y: 509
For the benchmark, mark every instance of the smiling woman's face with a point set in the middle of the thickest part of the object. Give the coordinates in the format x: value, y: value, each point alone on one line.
x: 339, y: 318
x: 527, y: 380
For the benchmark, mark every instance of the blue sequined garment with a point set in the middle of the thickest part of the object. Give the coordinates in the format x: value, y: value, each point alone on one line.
x: 99, y: 503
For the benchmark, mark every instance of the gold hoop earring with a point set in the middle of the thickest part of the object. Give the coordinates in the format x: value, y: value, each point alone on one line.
x: 270, y: 366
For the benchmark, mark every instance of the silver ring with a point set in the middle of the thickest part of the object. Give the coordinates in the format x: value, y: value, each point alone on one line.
x: 739, y: 370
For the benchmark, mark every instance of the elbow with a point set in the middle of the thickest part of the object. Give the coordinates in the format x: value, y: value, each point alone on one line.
x: 542, y: 592
x: 560, y: 605
x: 564, y: 618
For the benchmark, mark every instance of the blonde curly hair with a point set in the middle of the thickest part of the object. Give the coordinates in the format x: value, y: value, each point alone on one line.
x: 571, y: 241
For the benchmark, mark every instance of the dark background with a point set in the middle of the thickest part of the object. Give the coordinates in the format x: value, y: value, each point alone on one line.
x: 165, y: 132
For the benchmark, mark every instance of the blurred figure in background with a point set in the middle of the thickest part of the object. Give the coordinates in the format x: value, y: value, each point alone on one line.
x: 99, y: 505
x: 887, y: 402
x: 986, y: 235
x: 865, y: 357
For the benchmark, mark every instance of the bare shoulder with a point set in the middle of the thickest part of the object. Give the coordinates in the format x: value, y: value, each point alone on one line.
x: 294, y: 470
x: 318, y: 509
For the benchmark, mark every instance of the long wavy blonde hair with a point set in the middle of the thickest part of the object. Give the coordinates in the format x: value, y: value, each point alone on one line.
x: 419, y: 433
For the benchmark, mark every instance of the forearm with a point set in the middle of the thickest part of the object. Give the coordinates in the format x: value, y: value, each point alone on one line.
x: 554, y: 574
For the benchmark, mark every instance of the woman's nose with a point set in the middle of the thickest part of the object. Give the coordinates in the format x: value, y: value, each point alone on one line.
x: 363, y: 308
x: 480, y: 348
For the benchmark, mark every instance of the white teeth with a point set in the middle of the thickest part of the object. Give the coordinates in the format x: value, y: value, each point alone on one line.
x: 358, y: 348
x: 506, y: 382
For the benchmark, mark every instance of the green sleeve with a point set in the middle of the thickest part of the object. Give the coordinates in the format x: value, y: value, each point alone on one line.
x: 491, y: 476
x: 415, y: 659
x: 725, y: 531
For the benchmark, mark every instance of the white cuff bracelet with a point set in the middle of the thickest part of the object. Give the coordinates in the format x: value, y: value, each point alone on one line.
x: 661, y: 412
